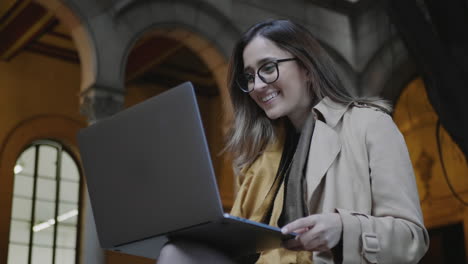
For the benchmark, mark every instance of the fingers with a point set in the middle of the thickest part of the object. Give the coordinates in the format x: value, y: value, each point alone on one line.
x: 315, y: 233
x: 311, y: 240
x: 301, y: 231
x: 293, y: 244
x: 306, y: 241
x: 301, y: 224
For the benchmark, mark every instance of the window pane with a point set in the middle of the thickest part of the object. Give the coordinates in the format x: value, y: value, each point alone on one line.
x: 66, y: 236
x: 69, y: 191
x: 21, y: 209
x: 44, y: 211
x: 26, y: 160
x: 17, y: 254
x: 46, y: 189
x: 47, y: 161
x: 69, y: 170
x: 44, y: 237
x: 41, y: 255
x: 44, y: 225
x: 45, y: 219
x: 19, y: 231
x: 23, y: 185
x: 65, y: 256
x: 68, y: 213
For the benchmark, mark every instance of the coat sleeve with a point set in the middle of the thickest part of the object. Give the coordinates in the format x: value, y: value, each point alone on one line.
x: 394, y: 231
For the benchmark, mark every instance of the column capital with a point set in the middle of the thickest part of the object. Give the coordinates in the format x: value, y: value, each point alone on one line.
x: 99, y: 102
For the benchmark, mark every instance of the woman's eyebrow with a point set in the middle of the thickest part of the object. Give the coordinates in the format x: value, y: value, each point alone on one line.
x: 261, y: 62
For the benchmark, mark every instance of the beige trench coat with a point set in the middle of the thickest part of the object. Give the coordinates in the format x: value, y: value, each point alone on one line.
x: 358, y: 166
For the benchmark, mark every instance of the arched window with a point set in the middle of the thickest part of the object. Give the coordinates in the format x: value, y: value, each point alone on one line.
x: 46, y: 199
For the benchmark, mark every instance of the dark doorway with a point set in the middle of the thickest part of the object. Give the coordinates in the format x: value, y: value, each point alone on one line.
x: 447, y: 245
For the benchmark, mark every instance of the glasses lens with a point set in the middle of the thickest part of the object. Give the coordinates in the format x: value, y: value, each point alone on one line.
x: 243, y: 83
x: 268, y: 72
x: 246, y: 82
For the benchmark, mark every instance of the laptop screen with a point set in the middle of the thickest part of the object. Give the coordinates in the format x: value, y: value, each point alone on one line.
x: 148, y: 169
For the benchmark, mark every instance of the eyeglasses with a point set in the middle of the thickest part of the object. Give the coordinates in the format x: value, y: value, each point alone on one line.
x: 268, y: 73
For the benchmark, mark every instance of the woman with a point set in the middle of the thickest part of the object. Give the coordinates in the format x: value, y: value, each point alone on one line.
x: 316, y: 160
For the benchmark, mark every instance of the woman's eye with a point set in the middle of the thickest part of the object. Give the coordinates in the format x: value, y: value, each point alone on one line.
x: 268, y: 68
x: 249, y: 78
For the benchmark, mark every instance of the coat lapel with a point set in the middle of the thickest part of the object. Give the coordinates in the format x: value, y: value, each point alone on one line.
x: 324, y: 148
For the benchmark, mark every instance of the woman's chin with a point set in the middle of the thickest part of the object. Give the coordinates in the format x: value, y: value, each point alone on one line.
x: 273, y: 115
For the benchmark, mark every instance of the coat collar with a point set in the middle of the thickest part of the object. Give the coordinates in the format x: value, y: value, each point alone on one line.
x: 324, y: 149
x: 331, y: 111
x: 325, y: 145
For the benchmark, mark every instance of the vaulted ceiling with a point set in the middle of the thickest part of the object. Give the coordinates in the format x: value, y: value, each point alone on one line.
x: 26, y: 26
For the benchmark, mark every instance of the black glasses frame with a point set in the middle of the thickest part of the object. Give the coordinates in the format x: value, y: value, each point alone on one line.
x: 276, y: 62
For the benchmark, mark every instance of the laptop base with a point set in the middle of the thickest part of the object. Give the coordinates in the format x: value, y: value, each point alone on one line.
x: 148, y: 248
x: 233, y: 237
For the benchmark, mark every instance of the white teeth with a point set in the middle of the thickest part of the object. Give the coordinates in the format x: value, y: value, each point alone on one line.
x: 269, y: 97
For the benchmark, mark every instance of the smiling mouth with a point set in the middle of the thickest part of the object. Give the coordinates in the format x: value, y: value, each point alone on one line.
x: 269, y: 97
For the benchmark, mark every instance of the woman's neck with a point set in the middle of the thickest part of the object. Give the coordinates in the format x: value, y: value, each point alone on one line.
x: 298, y: 119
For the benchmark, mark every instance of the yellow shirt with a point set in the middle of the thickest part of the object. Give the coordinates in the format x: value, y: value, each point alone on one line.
x: 255, y: 182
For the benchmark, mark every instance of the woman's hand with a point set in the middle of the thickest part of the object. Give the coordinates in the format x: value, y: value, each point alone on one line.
x: 318, y: 232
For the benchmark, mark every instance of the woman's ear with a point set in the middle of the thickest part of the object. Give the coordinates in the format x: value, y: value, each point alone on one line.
x: 307, y: 72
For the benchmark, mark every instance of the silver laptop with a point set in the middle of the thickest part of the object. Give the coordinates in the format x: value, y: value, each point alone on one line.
x: 149, y: 177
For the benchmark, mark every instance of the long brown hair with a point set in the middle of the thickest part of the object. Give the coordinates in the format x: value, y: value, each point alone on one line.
x: 252, y: 130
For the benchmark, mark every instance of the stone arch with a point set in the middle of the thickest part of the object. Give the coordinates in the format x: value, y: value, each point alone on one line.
x: 70, y: 15
x: 389, y: 70
x: 197, y: 16
x: 212, y: 57
x: 196, y: 25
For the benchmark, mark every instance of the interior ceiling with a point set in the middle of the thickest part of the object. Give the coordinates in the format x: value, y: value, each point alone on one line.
x: 25, y: 26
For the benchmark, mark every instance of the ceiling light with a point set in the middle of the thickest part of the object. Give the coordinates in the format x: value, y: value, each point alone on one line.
x: 51, y: 222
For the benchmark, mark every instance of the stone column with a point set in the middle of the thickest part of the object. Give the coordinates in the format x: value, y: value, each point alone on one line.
x: 96, y: 103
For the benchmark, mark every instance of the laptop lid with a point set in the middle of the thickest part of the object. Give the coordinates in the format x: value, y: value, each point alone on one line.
x: 148, y: 169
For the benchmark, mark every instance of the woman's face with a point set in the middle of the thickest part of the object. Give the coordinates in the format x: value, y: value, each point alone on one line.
x: 288, y: 95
